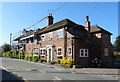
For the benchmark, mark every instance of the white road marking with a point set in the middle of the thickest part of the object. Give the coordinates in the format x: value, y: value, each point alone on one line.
x: 57, y: 78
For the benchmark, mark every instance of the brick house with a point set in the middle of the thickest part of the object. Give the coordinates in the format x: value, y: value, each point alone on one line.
x: 21, y: 45
x: 68, y: 39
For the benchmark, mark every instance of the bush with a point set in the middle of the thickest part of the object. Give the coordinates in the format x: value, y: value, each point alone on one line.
x: 116, y: 55
x: 36, y: 58
x: 3, y: 54
x: 27, y: 58
x: 41, y: 60
x: 67, y: 62
x: 15, y: 54
x: 52, y: 62
x: 32, y: 58
x: 6, y: 54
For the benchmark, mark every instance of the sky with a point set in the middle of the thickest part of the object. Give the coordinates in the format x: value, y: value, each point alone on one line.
x: 19, y: 15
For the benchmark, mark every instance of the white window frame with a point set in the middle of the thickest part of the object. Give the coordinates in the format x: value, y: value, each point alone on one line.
x: 59, y: 35
x: 42, y: 39
x: 34, y: 52
x: 58, y: 51
x: 83, y: 52
x: 42, y: 51
x: 70, y: 51
x: 106, y: 51
x: 50, y: 36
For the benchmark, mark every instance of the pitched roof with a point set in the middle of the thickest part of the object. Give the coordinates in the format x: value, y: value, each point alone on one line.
x: 96, y: 28
x: 58, y: 25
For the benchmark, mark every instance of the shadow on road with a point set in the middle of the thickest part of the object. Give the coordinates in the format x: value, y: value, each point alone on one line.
x: 9, y: 77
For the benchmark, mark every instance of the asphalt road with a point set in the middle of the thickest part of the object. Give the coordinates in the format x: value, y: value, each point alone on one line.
x: 8, y: 76
x: 39, y: 71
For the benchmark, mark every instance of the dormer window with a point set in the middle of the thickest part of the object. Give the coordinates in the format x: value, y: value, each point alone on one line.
x: 59, y: 34
x: 50, y: 36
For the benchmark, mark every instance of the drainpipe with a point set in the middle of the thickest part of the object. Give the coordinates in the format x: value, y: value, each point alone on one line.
x: 65, y: 41
x: 73, y: 50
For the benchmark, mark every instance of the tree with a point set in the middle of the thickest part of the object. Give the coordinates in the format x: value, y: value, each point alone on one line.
x: 117, y: 44
x: 5, y: 48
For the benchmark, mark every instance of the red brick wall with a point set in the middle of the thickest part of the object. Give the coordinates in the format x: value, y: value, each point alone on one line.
x: 56, y: 42
x: 106, y: 44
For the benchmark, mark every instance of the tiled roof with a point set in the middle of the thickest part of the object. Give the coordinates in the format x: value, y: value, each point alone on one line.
x: 58, y: 25
x: 96, y: 28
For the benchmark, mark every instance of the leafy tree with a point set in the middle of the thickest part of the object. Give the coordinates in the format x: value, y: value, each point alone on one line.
x: 117, y: 44
x: 5, y: 48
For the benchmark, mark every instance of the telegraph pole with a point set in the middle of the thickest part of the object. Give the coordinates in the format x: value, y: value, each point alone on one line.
x: 10, y: 39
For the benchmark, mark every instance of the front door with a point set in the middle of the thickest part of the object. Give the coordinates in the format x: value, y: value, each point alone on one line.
x: 49, y: 54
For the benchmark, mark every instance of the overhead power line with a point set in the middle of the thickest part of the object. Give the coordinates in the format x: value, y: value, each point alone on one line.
x: 36, y: 23
x: 59, y: 7
x: 41, y: 19
x: 45, y: 17
x: 93, y: 8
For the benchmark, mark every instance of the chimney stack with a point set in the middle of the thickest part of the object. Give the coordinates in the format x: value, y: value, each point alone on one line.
x: 87, y: 25
x: 49, y: 19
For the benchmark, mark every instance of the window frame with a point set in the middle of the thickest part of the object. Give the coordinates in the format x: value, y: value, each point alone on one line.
x: 57, y: 51
x: 68, y: 51
x: 42, y: 51
x: 106, y: 53
x: 59, y: 35
x: 34, y: 52
x: 42, y: 39
x: 50, y: 36
x: 84, y: 53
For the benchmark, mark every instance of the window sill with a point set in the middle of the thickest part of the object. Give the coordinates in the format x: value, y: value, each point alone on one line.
x: 59, y: 55
x: 42, y: 55
x: 83, y: 56
x: 69, y: 54
x: 35, y: 55
x: 49, y: 39
x: 59, y: 38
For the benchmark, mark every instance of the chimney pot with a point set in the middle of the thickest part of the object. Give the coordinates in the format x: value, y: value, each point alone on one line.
x: 87, y: 25
x: 49, y: 19
x: 87, y: 18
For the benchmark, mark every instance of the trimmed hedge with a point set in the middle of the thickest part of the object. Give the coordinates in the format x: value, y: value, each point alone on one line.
x: 33, y: 58
x: 14, y: 54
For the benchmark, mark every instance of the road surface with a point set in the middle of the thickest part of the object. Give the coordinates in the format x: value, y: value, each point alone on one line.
x: 39, y: 71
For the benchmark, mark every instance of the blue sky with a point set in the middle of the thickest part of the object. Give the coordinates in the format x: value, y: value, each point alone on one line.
x: 19, y: 15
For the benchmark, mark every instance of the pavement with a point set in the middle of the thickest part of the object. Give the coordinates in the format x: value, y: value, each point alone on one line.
x: 100, y: 71
x: 104, y: 71
x: 38, y: 71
